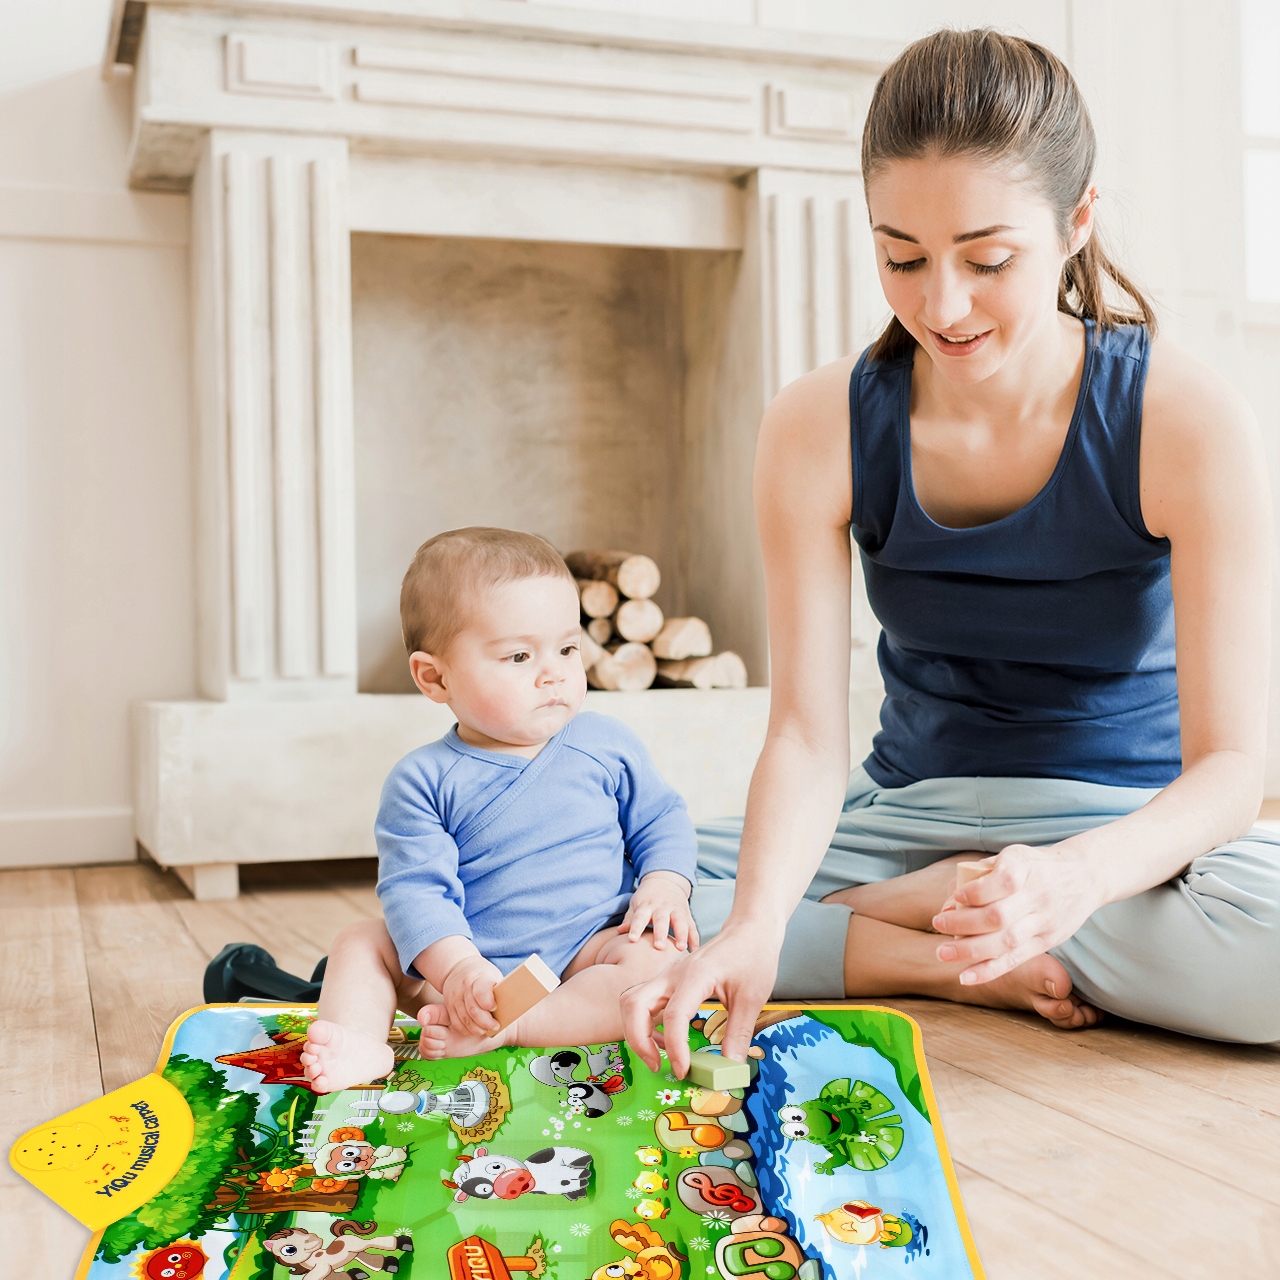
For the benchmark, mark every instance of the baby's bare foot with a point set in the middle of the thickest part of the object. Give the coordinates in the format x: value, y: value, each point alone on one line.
x: 441, y: 1040
x: 336, y: 1057
x: 1041, y: 985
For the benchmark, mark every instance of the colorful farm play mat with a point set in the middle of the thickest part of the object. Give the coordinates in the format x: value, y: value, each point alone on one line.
x: 572, y: 1163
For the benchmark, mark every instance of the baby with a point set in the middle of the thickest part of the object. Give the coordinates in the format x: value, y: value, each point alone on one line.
x: 527, y: 828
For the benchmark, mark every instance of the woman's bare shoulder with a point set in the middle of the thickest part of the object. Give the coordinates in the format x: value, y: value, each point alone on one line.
x: 1200, y: 439
x: 802, y: 456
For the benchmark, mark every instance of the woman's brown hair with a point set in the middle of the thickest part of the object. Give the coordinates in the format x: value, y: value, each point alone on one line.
x: 1012, y: 103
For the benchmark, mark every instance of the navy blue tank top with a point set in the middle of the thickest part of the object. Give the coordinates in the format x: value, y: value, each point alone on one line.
x: 1041, y: 644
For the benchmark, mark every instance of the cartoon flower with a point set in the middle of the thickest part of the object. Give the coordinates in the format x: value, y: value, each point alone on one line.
x: 579, y: 1229
x: 687, y: 1153
x: 670, y: 1076
x: 329, y: 1185
x: 555, y: 1248
x: 634, y: 1193
x: 716, y: 1218
x: 646, y: 1114
x: 700, y: 1244
x: 623, y: 1120
x: 280, y: 1179
x: 668, y: 1096
x: 405, y: 1126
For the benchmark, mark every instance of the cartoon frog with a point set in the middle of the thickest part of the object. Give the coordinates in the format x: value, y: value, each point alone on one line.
x: 855, y: 1122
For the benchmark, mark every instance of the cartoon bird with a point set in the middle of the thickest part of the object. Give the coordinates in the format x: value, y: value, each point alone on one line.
x: 854, y: 1121
x: 649, y: 1155
x: 654, y: 1259
x: 858, y: 1222
x: 181, y: 1260
x: 650, y: 1209
x: 650, y: 1183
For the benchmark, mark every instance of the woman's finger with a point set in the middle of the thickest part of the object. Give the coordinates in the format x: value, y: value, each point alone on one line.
x: 989, y: 970
x: 987, y: 946
x: 682, y: 1007
x: 642, y: 1007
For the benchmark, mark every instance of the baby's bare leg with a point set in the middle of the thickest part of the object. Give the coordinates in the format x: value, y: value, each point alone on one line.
x: 363, y: 986
x: 583, y: 1009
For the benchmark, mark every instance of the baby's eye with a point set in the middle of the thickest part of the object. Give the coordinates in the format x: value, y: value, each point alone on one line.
x: 568, y: 649
x: 520, y: 657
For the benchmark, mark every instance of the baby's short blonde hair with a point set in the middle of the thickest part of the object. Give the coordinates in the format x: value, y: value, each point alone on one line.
x: 449, y: 569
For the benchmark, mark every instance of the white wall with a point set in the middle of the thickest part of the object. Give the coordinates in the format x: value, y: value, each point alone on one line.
x: 96, y: 591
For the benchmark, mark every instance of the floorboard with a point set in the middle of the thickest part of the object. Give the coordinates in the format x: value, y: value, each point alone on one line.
x: 50, y: 1058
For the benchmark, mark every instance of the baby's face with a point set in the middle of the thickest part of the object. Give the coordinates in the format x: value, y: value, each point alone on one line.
x: 514, y: 674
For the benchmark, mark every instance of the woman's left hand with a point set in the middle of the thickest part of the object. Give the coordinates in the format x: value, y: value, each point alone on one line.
x: 1031, y: 900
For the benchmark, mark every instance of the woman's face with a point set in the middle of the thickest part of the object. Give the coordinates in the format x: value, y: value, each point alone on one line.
x: 969, y: 260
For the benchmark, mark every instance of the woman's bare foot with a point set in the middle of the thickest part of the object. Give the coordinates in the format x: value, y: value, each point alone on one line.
x: 1041, y: 985
x: 337, y: 1057
x: 440, y: 1040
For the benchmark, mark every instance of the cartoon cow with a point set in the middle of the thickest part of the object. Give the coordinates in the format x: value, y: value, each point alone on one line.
x: 487, y: 1175
x: 593, y: 1092
x: 305, y: 1253
x: 348, y: 1155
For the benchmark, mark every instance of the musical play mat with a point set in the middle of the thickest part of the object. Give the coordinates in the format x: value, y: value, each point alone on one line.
x: 571, y: 1163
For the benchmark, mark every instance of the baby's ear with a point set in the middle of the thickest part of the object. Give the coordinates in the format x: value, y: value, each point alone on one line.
x: 428, y: 675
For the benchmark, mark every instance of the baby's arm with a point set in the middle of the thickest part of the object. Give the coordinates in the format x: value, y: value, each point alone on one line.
x: 466, y: 980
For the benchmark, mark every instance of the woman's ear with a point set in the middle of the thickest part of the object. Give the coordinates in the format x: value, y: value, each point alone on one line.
x: 1082, y: 222
x: 428, y: 675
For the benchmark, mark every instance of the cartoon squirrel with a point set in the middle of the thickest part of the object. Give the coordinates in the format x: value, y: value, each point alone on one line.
x: 654, y: 1259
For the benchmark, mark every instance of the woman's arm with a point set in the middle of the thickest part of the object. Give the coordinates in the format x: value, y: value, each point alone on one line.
x: 803, y: 496
x: 1204, y: 487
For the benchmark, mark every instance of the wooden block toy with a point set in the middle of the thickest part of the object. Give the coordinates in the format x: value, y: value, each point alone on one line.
x: 715, y: 1071
x: 967, y: 872
x: 522, y: 988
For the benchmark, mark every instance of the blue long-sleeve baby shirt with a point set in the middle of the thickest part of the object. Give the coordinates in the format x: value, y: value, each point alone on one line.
x: 524, y: 855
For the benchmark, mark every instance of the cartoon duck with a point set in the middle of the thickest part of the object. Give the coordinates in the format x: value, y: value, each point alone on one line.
x: 855, y: 1122
x: 650, y: 1183
x: 651, y: 1209
x: 653, y: 1258
x: 650, y: 1155
x: 858, y: 1222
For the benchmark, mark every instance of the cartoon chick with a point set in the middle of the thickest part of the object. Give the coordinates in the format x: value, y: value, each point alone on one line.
x: 649, y: 1155
x: 650, y: 1209
x: 858, y: 1222
x: 650, y: 1183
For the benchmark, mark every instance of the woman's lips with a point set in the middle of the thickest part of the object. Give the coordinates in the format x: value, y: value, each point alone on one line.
x: 949, y: 347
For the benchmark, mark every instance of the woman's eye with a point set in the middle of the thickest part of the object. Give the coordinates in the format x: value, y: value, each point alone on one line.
x: 903, y: 266
x: 991, y: 268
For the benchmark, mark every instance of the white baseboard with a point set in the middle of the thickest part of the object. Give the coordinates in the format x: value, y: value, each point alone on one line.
x: 66, y: 837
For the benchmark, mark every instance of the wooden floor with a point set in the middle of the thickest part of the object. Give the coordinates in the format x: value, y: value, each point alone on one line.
x: 1119, y: 1152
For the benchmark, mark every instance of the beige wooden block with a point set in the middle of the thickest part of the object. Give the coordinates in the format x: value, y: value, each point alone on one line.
x: 522, y: 988
x: 211, y: 881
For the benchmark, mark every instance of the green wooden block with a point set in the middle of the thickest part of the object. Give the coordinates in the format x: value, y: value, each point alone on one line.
x: 714, y: 1071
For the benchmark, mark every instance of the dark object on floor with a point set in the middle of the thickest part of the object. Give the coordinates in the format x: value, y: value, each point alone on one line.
x: 241, y: 971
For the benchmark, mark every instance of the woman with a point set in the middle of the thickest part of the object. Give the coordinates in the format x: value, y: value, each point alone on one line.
x: 1038, y: 487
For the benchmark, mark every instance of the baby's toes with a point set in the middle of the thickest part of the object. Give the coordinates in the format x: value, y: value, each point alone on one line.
x: 433, y: 1015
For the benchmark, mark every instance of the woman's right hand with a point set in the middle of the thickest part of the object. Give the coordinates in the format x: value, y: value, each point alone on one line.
x: 737, y: 968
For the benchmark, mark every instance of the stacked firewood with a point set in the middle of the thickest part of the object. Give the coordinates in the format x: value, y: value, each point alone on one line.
x: 627, y: 643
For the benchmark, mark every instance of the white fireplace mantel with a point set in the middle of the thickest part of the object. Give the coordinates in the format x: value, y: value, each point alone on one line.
x: 296, y: 123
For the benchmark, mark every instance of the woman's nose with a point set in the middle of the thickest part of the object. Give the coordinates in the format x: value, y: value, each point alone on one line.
x: 946, y: 300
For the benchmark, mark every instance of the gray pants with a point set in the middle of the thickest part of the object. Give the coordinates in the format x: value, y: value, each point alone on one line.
x: 1199, y: 954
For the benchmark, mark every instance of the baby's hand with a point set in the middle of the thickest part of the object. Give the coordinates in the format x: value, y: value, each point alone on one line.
x: 468, y: 995
x: 661, y: 899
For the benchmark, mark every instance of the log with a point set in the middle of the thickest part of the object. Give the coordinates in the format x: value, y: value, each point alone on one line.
x: 682, y: 638
x: 638, y: 620
x: 625, y: 668
x: 600, y: 630
x: 635, y: 576
x: 590, y: 650
x: 599, y: 599
x: 725, y: 671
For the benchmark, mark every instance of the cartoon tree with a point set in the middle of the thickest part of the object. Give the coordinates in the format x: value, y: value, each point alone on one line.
x: 224, y: 1126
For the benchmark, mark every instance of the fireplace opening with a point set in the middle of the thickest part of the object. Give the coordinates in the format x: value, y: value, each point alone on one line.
x: 602, y: 396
